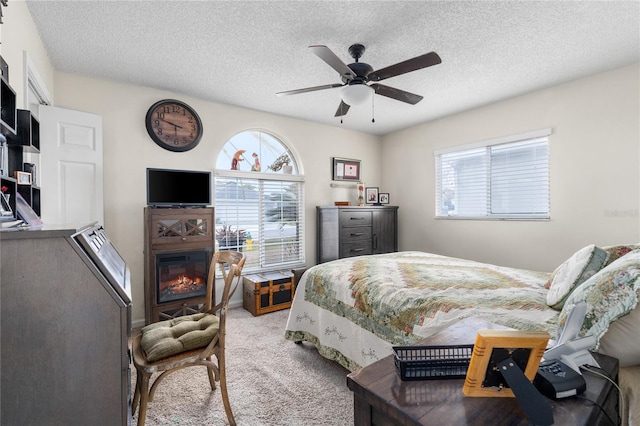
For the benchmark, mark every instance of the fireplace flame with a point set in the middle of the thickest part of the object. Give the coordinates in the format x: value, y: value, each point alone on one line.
x: 182, y: 284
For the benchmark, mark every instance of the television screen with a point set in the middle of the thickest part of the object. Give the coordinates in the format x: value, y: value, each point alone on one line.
x: 183, y: 188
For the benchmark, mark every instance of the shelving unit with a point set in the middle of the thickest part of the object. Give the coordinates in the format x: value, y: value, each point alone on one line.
x: 7, y: 106
x: 22, y: 131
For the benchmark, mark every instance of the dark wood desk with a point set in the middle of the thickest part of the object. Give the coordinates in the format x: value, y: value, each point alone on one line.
x: 381, y: 398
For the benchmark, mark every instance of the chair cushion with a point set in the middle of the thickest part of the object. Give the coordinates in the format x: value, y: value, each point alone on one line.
x: 166, y: 338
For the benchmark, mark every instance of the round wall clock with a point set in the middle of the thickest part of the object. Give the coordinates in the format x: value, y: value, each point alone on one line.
x: 174, y: 125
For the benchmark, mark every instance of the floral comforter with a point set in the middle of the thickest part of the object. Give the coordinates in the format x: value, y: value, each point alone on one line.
x: 353, y: 310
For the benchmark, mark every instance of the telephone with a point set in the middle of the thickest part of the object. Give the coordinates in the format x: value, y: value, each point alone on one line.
x: 559, y: 374
x: 571, y: 349
x: 555, y: 380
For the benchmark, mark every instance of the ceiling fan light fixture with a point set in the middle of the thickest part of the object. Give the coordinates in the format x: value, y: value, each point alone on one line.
x: 356, y: 94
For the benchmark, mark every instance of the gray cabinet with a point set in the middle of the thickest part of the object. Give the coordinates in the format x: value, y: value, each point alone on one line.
x: 64, y: 334
x: 356, y: 231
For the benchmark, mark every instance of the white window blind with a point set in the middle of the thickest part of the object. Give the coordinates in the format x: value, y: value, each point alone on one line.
x: 263, y: 217
x: 507, y: 178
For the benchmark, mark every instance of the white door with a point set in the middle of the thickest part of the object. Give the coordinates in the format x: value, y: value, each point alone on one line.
x: 71, y: 166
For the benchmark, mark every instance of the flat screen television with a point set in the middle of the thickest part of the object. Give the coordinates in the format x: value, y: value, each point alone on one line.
x: 178, y: 188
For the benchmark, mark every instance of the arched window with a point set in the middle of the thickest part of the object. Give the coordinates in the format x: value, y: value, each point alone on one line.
x: 259, y: 205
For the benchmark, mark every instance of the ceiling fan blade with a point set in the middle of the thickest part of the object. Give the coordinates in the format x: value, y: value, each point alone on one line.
x: 397, y: 94
x: 324, y: 53
x: 417, y: 63
x: 309, y: 89
x: 342, y: 109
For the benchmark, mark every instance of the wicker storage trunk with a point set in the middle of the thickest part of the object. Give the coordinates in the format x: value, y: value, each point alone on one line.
x: 268, y: 292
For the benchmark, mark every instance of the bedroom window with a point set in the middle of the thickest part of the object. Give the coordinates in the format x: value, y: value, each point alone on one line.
x: 505, y: 178
x: 259, y: 202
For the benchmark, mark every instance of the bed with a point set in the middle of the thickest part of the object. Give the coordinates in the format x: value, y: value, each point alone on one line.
x: 354, y: 310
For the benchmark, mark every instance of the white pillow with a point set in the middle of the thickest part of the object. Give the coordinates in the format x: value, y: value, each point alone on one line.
x: 574, y: 271
x: 613, y: 313
x: 616, y: 342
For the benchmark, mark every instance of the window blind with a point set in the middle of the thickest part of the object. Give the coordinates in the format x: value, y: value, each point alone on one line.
x: 504, y: 180
x: 263, y: 217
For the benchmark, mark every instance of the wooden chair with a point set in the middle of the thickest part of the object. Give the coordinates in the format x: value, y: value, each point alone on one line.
x: 230, y: 263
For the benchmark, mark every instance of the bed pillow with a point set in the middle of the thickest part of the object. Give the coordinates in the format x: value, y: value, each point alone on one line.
x: 617, y: 251
x: 573, y: 272
x: 612, y: 314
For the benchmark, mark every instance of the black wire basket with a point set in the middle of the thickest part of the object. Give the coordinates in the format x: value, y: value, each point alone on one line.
x: 432, y: 362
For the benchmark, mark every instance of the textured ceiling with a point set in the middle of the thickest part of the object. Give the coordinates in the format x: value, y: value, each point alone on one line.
x: 242, y: 53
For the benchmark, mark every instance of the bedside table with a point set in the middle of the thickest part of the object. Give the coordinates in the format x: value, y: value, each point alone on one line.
x: 381, y: 398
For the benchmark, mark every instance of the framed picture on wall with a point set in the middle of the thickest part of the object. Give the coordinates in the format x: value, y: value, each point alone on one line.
x: 346, y: 169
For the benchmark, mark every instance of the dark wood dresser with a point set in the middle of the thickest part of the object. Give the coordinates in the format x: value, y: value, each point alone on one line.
x: 356, y: 231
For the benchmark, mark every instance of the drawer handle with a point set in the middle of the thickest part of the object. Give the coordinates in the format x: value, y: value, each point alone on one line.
x: 358, y: 249
x: 357, y: 218
x: 184, y: 238
x: 357, y: 234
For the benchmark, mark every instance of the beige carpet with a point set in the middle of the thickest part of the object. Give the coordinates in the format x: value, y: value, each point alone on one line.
x: 272, y: 382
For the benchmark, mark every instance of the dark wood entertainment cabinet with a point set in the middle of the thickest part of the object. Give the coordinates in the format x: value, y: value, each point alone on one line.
x: 174, y: 230
x: 347, y: 231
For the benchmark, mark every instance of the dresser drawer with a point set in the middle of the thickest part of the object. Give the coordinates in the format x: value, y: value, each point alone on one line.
x: 355, y: 249
x: 355, y: 218
x: 355, y: 233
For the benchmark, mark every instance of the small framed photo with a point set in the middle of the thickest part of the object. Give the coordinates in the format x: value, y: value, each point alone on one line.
x: 383, y: 198
x: 520, y: 349
x: 371, y: 195
x: 346, y: 169
x: 23, y: 178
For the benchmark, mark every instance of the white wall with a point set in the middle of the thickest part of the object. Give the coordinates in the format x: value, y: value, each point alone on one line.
x: 594, y: 173
x: 19, y: 35
x: 594, y: 160
x: 128, y: 151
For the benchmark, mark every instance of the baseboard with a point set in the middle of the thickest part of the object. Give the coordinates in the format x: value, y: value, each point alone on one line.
x: 235, y: 304
x: 138, y: 323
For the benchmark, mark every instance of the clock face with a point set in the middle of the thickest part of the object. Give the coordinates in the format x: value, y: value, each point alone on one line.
x: 174, y: 125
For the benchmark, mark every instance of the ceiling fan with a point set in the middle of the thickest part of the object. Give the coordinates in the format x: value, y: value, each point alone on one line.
x: 357, y: 76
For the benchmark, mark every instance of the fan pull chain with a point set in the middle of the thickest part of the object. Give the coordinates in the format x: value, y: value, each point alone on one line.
x: 373, y: 119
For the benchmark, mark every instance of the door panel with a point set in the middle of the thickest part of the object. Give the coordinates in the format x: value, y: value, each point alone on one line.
x: 71, y: 163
